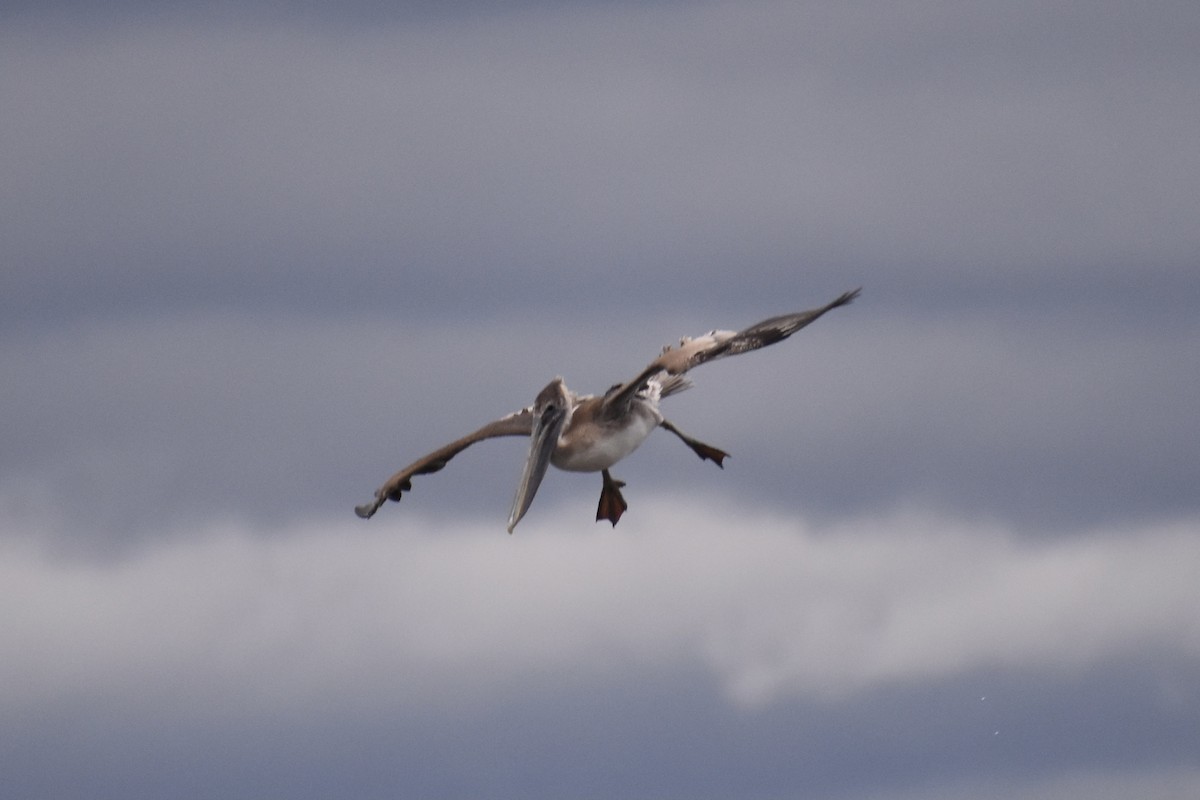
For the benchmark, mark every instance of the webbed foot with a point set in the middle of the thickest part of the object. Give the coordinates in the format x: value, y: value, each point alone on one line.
x: 706, y: 451
x: 612, y: 504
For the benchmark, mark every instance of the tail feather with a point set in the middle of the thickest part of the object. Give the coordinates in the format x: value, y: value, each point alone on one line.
x: 673, y: 384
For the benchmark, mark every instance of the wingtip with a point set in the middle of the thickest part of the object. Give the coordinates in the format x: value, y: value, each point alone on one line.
x: 850, y: 296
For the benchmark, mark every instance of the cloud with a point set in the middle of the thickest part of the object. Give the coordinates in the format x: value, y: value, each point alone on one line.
x: 692, y: 647
x: 432, y: 613
x: 512, y: 157
x: 916, y: 599
x: 1175, y: 784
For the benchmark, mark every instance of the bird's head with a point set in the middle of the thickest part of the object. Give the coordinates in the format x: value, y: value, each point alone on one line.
x: 551, y: 412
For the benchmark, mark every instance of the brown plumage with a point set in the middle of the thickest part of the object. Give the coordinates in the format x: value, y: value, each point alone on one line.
x: 591, y: 433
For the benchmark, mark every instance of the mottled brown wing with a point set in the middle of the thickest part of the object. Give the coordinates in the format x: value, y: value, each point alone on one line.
x: 519, y: 423
x: 720, y: 343
x: 693, y: 352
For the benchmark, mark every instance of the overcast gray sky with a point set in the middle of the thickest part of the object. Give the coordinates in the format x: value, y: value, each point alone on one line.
x: 257, y: 256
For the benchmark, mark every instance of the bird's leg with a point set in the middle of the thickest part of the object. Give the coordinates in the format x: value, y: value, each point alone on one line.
x: 612, y: 504
x: 705, y: 451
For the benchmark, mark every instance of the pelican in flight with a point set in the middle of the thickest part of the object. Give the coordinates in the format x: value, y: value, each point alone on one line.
x: 589, y: 433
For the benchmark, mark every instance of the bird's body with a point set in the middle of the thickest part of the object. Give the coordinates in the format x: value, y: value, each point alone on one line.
x: 588, y: 433
x: 590, y: 444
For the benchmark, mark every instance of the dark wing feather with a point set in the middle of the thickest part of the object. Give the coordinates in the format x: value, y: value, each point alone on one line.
x: 704, y: 349
x: 718, y: 344
x: 519, y: 423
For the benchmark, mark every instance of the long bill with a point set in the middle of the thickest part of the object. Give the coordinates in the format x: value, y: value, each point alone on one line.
x: 542, y: 442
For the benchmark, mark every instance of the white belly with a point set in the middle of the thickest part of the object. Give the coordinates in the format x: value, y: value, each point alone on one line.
x: 594, y: 448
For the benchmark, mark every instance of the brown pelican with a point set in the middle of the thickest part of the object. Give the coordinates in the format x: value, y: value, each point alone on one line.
x: 586, y: 433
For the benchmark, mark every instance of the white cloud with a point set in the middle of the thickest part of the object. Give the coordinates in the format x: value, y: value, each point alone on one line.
x: 1159, y: 784
x: 910, y: 599
x: 411, y: 612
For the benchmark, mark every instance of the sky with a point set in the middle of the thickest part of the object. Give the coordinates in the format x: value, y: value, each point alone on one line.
x: 257, y: 256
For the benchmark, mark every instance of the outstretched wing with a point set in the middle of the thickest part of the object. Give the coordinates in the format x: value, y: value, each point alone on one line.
x: 519, y: 423
x: 693, y: 352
